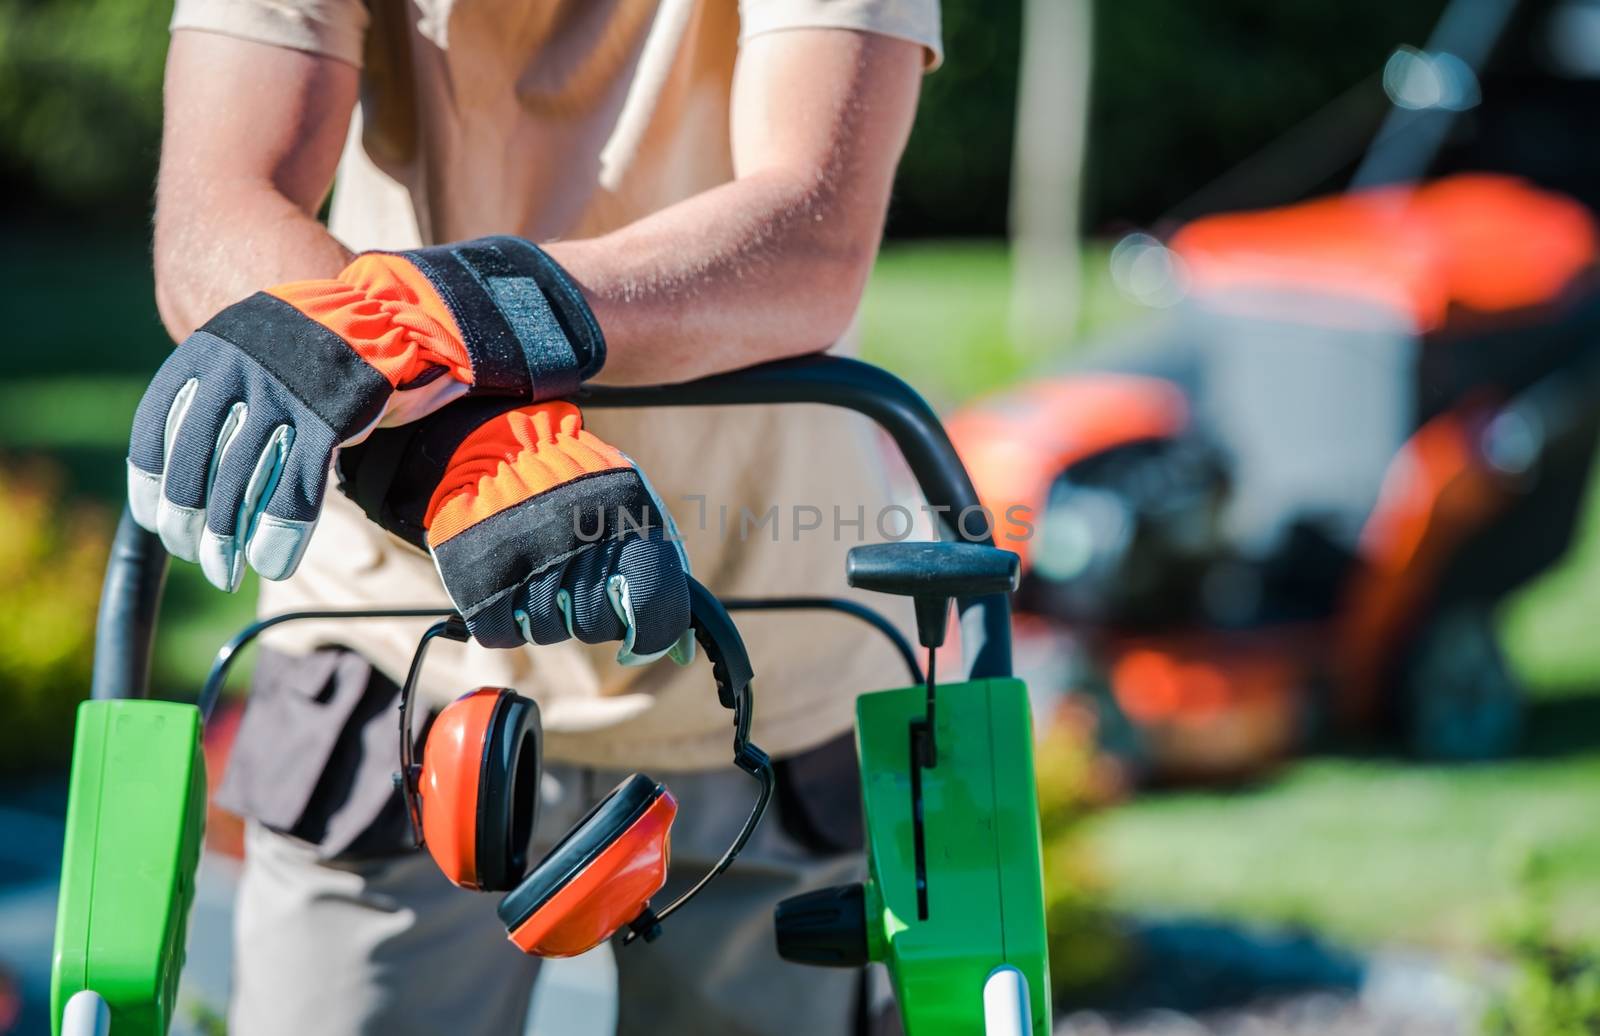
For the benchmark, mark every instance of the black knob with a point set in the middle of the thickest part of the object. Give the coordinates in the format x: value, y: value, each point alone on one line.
x: 827, y: 927
x: 931, y: 574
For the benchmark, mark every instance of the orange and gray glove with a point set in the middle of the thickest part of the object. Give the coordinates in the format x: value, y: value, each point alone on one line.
x: 232, y: 441
x: 539, y: 529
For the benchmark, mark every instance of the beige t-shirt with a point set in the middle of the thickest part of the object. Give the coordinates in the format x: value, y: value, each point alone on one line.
x: 569, y: 118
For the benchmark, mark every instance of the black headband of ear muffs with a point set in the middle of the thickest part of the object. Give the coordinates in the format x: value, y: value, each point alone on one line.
x: 730, y: 668
x: 717, y: 635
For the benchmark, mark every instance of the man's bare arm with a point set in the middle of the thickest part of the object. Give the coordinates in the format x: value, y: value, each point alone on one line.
x: 772, y: 264
x: 251, y: 137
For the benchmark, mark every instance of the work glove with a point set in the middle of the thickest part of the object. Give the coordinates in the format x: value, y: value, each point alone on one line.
x: 539, y: 529
x: 233, y: 439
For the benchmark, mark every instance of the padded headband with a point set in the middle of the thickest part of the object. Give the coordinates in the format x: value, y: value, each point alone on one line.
x: 724, y: 647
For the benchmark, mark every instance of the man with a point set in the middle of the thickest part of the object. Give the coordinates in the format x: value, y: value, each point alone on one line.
x: 713, y: 180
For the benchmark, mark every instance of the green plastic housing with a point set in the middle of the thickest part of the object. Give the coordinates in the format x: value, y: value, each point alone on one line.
x: 135, y: 817
x: 981, y: 835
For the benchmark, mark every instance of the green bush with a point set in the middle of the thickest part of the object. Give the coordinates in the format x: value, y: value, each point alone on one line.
x: 1086, y: 948
x: 1183, y: 92
x: 52, y: 556
x: 1554, y: 986
x: 80, y: 102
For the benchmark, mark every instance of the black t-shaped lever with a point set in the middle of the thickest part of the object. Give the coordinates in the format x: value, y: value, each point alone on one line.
x: 932, y: 575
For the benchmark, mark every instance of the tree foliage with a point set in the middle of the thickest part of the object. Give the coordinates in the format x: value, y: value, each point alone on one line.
x: 52, y: 554
x: 80, y: 103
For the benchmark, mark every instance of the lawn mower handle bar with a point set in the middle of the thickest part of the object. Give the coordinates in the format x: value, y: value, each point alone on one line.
x: 137, y: 568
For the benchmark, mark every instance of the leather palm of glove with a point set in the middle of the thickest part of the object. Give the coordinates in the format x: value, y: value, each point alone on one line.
x: 539, y: 529
x: 232, y: 442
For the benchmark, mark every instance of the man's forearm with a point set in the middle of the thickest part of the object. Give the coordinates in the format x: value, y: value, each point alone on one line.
x: 743, y: 273
x: 772, y: 264
x: 735, y: 276
x: 250, y: 138
x: 237, y: 243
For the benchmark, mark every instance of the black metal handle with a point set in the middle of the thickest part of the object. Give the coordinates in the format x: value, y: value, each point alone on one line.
x: 136, y: 573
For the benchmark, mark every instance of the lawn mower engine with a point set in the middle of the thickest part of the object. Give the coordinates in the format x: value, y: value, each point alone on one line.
x: 1293, y: 509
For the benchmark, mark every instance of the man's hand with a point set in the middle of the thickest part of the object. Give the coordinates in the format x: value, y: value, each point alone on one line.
x: 540, y: 530
x: 232, y: 442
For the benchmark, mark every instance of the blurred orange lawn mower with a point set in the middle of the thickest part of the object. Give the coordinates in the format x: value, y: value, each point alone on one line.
x: 1370, y: 418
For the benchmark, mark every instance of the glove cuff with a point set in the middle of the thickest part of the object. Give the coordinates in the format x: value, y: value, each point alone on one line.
x: 528, y: 331
x: 393, y: 473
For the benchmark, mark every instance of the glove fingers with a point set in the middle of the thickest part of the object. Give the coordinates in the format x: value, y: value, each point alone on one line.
x: 199, y: 428
x: 248, y: 468
x: 172, y: 389
x: 653, y: 595
x: 553, y: 606
x: 279, y: 538
x: 593, y: 619
x: 533, y: 615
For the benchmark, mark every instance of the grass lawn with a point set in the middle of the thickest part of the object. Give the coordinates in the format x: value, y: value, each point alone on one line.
x: 1368, y: 850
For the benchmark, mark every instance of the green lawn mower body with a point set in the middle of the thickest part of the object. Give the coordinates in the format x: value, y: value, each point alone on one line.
x: 135, y: 818
x: 953, y: 903
x: 980, y: 821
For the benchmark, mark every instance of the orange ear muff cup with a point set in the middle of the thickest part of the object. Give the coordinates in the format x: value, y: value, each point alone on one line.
x: 599, y: 877
x: 479, y: 788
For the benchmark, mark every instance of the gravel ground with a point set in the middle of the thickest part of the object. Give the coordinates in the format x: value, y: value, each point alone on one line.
x: 1399, y: 994
x: 1325, y: 1014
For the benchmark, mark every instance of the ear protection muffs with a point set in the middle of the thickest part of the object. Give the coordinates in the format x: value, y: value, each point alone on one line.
x: 474, y: 797
x: 478, y: 790
x: 600, y: 877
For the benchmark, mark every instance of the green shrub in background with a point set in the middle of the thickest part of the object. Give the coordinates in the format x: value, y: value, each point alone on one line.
x: 1184, y: 91
x: 80, y: 102
x: 52, y: 556
x: 1554, y: 985
x: 1086, y: 948
x: 1181, y: 92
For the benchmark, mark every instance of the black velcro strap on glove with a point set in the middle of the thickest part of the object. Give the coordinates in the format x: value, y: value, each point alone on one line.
x: 528, y: 331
